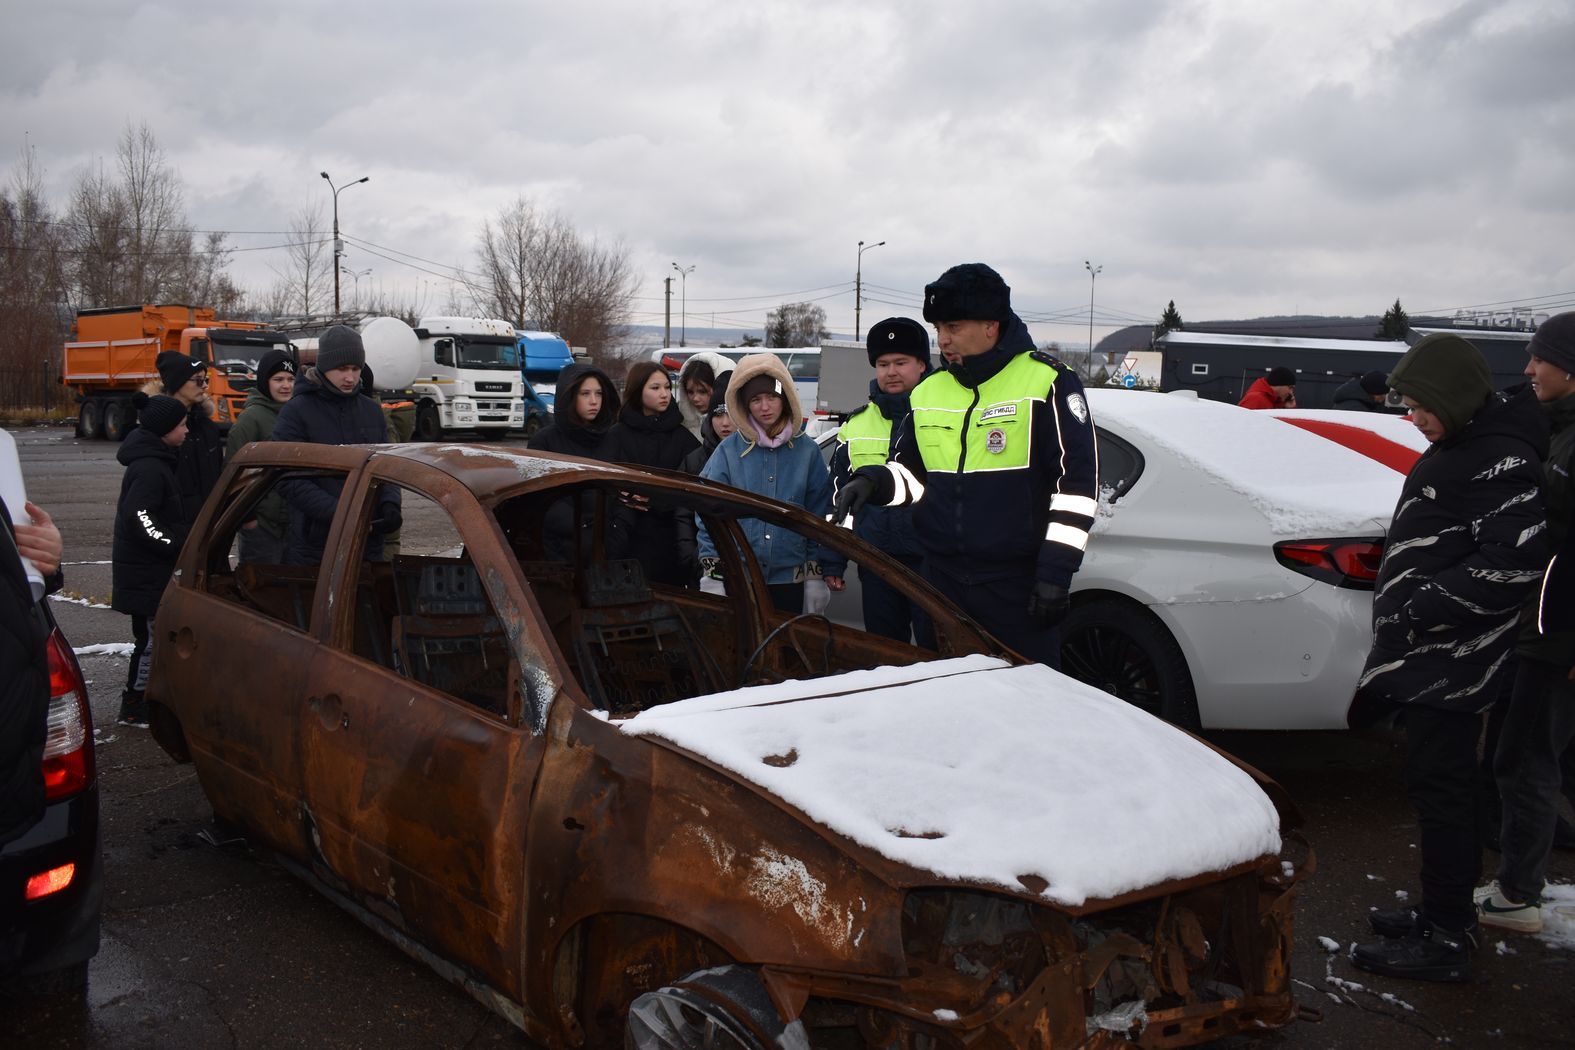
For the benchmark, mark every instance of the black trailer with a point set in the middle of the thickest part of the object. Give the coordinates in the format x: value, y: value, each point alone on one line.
x: 1221, y: 367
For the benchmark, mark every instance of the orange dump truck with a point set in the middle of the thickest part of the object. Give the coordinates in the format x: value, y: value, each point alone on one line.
x: 112, y: 357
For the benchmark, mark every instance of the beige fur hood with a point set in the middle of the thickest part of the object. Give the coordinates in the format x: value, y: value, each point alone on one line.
x: 749, y: 368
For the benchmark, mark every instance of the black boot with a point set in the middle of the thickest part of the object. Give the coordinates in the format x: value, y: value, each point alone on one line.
x: 1399, y: 922
x: 133, y: 710
x: 1428, y: 953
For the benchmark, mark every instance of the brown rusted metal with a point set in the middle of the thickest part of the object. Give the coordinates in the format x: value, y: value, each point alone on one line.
x: 556, y: 864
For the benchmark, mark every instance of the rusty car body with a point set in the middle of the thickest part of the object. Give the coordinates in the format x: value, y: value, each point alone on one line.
x: 459, y: 743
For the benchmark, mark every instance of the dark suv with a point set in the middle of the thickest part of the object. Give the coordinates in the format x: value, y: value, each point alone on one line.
x: 51, y: 881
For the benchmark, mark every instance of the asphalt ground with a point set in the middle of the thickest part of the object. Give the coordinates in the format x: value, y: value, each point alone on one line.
x: 216, y: 946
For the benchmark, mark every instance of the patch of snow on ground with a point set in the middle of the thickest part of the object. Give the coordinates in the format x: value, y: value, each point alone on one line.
x: 1401, y: 895
x: 77, y: 601
x: 1329, y: 944
x: 1004, y: 772
x: 1558, y: 915
x: 105, y: 649
x: 1503, y: 949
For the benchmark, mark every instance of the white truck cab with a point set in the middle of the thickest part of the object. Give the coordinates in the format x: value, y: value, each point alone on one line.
x: 469, y: 378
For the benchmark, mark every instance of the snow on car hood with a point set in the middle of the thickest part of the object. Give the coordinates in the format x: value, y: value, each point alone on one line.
x: 1303, y: 484
x: 980, y: 771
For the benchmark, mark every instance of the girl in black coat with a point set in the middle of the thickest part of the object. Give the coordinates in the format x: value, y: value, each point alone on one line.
x: 150, y: 526
x: 585, y: 409
x: 651, y: 433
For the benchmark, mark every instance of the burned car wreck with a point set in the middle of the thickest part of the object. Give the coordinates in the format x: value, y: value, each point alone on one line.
x: 626, y: 814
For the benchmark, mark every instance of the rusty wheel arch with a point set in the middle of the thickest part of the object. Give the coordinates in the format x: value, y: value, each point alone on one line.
x: 608, y: 959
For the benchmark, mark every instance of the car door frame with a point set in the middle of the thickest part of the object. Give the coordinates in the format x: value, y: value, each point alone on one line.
x: 422, y: 817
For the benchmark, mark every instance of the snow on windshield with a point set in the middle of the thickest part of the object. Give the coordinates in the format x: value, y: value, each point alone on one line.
x: 1303, y: 484
x: 980, y: 771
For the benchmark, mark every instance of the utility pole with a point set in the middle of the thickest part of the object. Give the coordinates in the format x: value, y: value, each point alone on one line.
x: 667, y: 326
x: 858, y: 286
x: 683, y: 331
x: 1093, y: 275
x: 339, y: 246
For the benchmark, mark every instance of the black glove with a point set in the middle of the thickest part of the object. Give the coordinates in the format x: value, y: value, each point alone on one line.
x: 389, y: 519
x: 1048, y: 604
x: 851, y: 497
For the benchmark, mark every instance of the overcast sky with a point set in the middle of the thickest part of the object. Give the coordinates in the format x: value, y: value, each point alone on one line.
x: 1242, y: 158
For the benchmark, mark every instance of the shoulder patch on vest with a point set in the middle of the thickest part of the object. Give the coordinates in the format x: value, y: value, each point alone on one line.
x: 1078, y: 407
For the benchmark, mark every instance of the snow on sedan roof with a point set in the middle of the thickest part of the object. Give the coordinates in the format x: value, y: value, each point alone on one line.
x: 1303, y: 484
x: 983, y: 772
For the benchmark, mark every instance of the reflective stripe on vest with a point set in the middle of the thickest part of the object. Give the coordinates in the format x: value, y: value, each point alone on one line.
x: 868, y: 436
x: 998, y: 418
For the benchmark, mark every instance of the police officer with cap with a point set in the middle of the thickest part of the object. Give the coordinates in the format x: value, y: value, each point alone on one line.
x: 997, y: 458
x: 899, y: 351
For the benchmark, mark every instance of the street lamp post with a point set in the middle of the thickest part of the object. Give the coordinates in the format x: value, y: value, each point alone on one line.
x: 339, y: 248
x: 858, y: 285
x: 1093, y: 275
x: 357, y: 275
x: 683, y: 295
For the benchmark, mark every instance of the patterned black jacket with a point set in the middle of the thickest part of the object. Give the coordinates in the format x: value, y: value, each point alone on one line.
x: 1465, y: 552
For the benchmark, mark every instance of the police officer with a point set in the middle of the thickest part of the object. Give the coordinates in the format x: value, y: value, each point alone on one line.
x: 997, y: 458
x: 899, y: 351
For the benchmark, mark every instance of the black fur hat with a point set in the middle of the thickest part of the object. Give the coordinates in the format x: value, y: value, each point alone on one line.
x: 970, y: 292
x: 899, y: 335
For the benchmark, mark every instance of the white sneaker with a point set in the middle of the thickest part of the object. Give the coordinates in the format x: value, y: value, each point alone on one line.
x: 1482, y: 893
x: 1498, y: 910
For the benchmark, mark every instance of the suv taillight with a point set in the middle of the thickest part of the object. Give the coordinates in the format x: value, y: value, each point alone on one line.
x: 68, y: 746
x: 1344, y: 563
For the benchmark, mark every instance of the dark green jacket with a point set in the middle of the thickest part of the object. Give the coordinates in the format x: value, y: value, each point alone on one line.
x: 1558, y: 496
x: 255, y: 423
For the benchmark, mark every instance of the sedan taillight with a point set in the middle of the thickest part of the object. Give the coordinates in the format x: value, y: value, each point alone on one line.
x: 68, y: 746
x: 1343, y: 563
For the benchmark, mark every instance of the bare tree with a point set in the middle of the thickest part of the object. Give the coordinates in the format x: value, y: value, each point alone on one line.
x: 32, y: 291
x: 129, y: 240
x: 537, y: 270
x: 796, y: 324
x: 308, y: 268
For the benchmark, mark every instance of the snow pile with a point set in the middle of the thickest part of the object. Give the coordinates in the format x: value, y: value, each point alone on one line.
x: 1329, y: 944
x: 1558, y: 915
x: 105, y: 649
x: 983, y: 772
x: 1303, y: 484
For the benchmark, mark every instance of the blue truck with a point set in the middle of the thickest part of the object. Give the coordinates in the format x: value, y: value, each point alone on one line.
x: 542, y: 356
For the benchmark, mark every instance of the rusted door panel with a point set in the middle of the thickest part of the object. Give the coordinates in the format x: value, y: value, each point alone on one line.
x: 418, y: 809
x: 242, y: 738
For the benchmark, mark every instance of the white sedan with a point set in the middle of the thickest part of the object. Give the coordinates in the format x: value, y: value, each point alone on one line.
x: 1228, y: 582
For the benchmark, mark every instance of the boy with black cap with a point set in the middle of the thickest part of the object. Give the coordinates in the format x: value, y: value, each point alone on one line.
x: 1365, y: 393
x: 1539, y: 722
x: 328, y: 408
x: 1465, y: 551
x: 202, y: 455
x: 1275, y: 390
x: 997, y: 458
x: 262, y: 538
x: 150, y: 526
x: 899, y: 351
